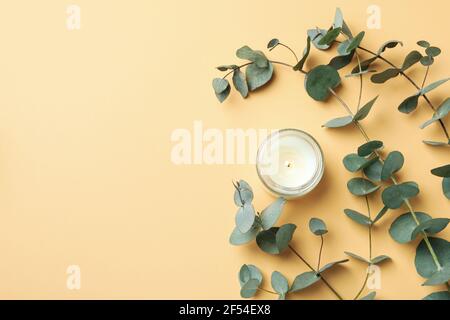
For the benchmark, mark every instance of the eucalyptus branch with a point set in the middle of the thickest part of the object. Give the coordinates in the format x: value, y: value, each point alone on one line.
x: 393, y: 179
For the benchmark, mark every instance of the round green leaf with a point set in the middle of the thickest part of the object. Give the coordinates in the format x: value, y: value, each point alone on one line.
x: 257, y: 57
x: 222, y: 88
x: 249, y: 289
x: 394, y: 196
x: 354, y: 162
x: 245, y: 217
x: 427, y: 61
x: 358, y: 217
x: 403, y: 227
x: 317, y: 226
x: 431, y: 226
x: 249, y: 271
x: 238, y: 238
x: 243, y: 193
x: 284, y: 236
x: 439, y: 277
x: 240, y: 83
x: 369, y: 147
x: 443, y: 171
x: 266, y: 241
x: 273, y: 43
x: 319, y: 80
x: 425, y: 265
x: 258, y: 77
x: 384, y: 76
x: 409, y: 104
x: 423, y: 43
x: 441, y: 295
x: 433, y: 51
x: 269, y: 216
x: 279, y: 283
x: 380, y: 259
x: 339, y: 122
x: 393, y: 163
x: 357, y: 257
x: 361, y: 186
x: 304, y: 280
x: 373, y: 171
x: 331, y: 265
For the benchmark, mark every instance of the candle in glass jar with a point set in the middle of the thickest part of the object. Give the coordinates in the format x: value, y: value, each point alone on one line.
x: 290, y: 163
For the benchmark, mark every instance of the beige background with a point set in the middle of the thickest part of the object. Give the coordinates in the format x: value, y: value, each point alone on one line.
x: 85, y: 124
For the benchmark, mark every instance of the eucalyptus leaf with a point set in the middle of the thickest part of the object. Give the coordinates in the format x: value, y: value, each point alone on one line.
x: 364, y: 111
x: 394, y: 196
x: 248, y: 272
x: 355, y: 42
x: 339, y: 122
x: 243, y: 193
x: 446, y: 187
x: 380, y: 214
x: 257, y: 57
x: 380, y: 259
x: 433, y: 86
x: 227, y: 67
x: 409, y: 104
x: 439, y: 277
x: 279, y: 283
x: 330, y: 36
x: 358, y: 217
x: 411, y: 59
x: 240, y: 83
x: 441, y: 295
x: 341, y: 61
x: 426, y: 61
x: 354, y: 162
x: 245, y: 217
x: 320, y: 80
x: 316, y: 35
x: 301, y: 63
x: 346, y: 30
x: 357, y: 257
x: 338, y: 19
x: 258, y: 77
x: 331, y: 265
x: 431, y: 226
x: 304, y: 280
x: 384, y: 76
x: 369, y: 147
x: 317, y: 226
x: 393, y: 163
x: 441, y: 112
x: 238, y: 238
x: 436, y: 143
x: 221, y: 88
x: 433, y: 51
x: 373, y: 171
x: 249, y: 289
x: 270, y: 215
x: 424, y: 262
x: 389, y: 44
x: 284, y: 236
x: 443, y: 171
x: 370, y: 296
x: 361, y: 186
x: 273, y: 43
x: 423, y: 43
x: 403, y: 227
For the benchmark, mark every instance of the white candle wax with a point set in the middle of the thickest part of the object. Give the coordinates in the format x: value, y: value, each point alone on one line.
x: 290, y: 163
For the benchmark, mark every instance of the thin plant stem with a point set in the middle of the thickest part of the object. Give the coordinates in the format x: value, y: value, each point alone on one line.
x: 267, y: 291
x: 312, y: 269
x: 425, y: 77
x: 394, y: 180
x: 292, y: 51
x: 320, y: 253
